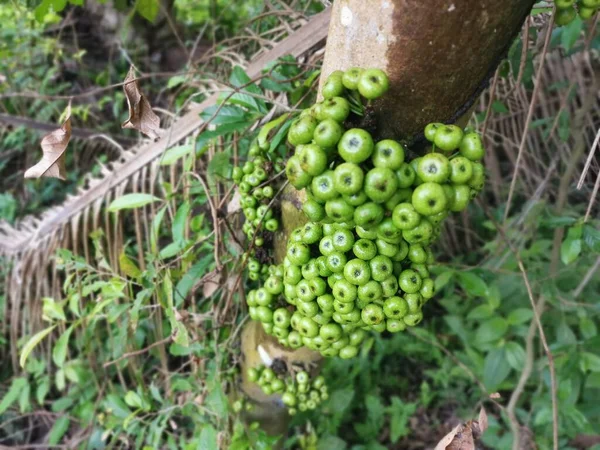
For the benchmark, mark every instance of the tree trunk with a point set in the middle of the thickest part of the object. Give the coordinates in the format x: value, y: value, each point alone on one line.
x: 438, y: 54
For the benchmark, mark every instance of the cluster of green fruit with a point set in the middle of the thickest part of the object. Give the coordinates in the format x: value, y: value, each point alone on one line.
x: 298, y: 393
x: 257, y: 194
x: 567, y: 10
x: 362, y: 262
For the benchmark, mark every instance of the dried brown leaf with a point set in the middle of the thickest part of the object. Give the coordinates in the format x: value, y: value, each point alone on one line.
x: 463, y: 436
x: 2, y: 78
x: 141, y: 116
x: 212, y: 282
x: 53, y: 146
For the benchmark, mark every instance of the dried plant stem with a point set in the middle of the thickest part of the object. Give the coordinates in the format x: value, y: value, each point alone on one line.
x: 534, y: 95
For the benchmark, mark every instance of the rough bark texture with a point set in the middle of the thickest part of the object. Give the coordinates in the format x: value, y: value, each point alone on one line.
x: 439, y: 54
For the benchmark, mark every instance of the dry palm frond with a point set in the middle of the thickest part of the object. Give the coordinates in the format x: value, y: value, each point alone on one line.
x: 28, y: 248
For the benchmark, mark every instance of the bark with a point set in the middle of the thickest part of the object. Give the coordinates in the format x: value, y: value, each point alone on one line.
x: 439, y: 54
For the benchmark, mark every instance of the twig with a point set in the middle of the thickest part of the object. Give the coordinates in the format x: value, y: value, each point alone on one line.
x: 137, y: 352
x: 538, y: 83
x: 588, y: 161
x: 586, y: 279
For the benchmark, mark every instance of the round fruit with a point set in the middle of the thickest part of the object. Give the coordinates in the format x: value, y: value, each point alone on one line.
x: 431, y: 129
x: 380, y: 184
x: 388, y: 154
x: 356, y: 145
x: 448, y: 137
x: 302, y: 130
x: 434, y: 167
x: 471, y: 147
x: 336, y: 108
x: 373, y: 83
x: 333, y: 87
x: 313, y: 159
x: 429, y: 199
x: 328, y: 133
x: 348, y: 178
x: 351, y: 77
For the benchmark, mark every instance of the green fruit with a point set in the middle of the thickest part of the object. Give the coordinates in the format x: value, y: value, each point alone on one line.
x: 434, y: 167
x: 394, y: 325
x: 461, y: 170
x: 462, y: 196
x: 364, y: 249
x: 328, y: 133
x: 406, y: 176
x: 422, y: 233
x: 590, y: 3
x: 368, y: 215
x: 298, y: 253
x: 370, y: 292
x: 417, y: 254
x: 339, y: 210
x: 410, y: 281
x: 348, y: 178
x: 336, y: 108
x: 333, y: 87
x: 312, y: 233
x: 471, y: 147
x: 302, y: 130
x: 308, y: 327
x: 274, y: 285
x: 356, y: 145
x: 405, y: 217
x: 351, y: 77
x: 429, y: 199
x: 431, y: 130
x: 302, y: 377
x: 325, y: 302
x: 313, y: 159
x: 373, y: 83
x: 395, y: 307
x: 343, y: 307
x: 357, y: 272
x: 298, y: 177
x: 372, y: 314
x: 380, y: 184
x: 343, y: 240
x: 344, y: 291
x: 427, y: 288
x: 448, y: 137
x: 565, y: 16
x: 314, y: 211
x: 388, y: 154
x: 413, y: 319
x: 388, y: 232
x: 477, y: 180
x: 356, y: 199
x: 330, y: 332
x: 323, y: 186
x: 288, y: 399
x: 381, y: 267
x: 336, y: 262
x: 348, y: 352
x: 586, y: 13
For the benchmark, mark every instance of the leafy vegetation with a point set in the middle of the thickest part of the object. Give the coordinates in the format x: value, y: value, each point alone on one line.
x: 140, y: 346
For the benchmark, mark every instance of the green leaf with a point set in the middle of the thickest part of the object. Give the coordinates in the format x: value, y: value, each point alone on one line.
x: 156, y: 223
x: 59, y: 352
x: 499, y: 107
x: 17, y: 385
x: 442, y: 279
x: 519, y: 316
x: 220, y: 164
x: 491, y: 330
x: 587, y: 327
x: 185, y: 284
x: 515, y: 355
x: 206, y: 136
x: 457, y: 325
x: 32, y: 343
x: 180, y: 334
x: 330, y: 442
x: 174, y: 154
x: 473, y: 284
x: 51, y: 310
x: 570, y: 250
x: 24, y: 403
x: 128, y: 266
x: 179, y: 222
x: 481, y: 312
x: 130, y: 201
x: 570, y: 33
x: 133, y: 399
x: 219, y: 115
x: 400, y: 416
x: 58, y: 430
x: 589, y: 362
x: 148, y: 9
x: 216, y: 401
x: 175, y: 81
x: 43, y: 387
x: 495, y: 369
x: 238, y: 79
x: 591, y: 237
x: 208, y: 438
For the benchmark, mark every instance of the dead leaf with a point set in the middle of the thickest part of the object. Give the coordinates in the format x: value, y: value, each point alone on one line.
x: 53, y: 146
x: 141, y: 116
x: 483, y: 420
x: 212, y: 282
x: 235, y: 204
x: 463, y: 436
x: 2, y: 78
